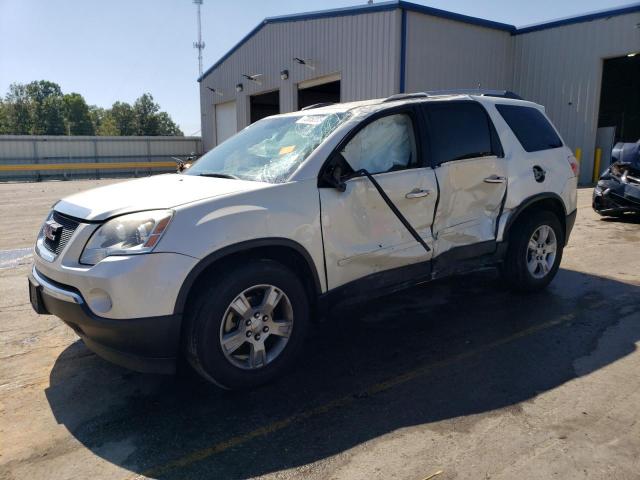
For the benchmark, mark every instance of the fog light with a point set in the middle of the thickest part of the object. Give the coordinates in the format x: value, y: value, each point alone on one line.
x: 99, y: 301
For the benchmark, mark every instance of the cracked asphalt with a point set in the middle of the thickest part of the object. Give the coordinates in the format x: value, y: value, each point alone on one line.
x: 456, y: 379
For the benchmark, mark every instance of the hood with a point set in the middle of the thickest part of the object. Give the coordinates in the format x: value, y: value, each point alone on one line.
x: 157, y: 192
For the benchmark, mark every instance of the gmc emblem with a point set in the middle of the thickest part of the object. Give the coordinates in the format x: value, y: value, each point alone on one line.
x: 52, y: 229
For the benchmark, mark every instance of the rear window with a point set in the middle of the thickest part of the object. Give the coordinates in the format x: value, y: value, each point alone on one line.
x: 533, y: 130
x: 460, y: 130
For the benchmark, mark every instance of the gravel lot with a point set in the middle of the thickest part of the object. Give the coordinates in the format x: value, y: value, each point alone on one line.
x: 458, y: 377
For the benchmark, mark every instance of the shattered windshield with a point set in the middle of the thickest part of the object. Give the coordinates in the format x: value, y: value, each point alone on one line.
x: 269, y: 150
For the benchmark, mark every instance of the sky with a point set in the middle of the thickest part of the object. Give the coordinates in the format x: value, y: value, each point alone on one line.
x: 110, y: 50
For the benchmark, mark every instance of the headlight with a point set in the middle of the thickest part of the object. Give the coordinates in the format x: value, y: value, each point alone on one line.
x: 126, y: 235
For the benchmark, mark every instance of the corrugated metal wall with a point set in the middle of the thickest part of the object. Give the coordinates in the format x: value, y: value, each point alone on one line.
x: 42, y: 149
x: 363, y: 49
x: 561, y: 68
x: 444, y: 54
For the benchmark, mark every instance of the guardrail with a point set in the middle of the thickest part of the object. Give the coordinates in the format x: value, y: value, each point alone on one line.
x: 84, y: 166
x: 43, y: 157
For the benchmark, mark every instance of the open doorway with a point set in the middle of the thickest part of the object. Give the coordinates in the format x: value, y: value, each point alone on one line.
x: 310, y: 93
x: 620, y: 97
x: 264, y: 105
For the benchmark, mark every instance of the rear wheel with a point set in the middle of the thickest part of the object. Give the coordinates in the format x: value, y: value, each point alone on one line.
x: 247, y: 327
x: 534, y: 253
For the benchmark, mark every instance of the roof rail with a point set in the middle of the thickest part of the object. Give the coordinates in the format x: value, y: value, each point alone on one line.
x: 476, y: 91
x: 405, y: 96
x: 317, y: 105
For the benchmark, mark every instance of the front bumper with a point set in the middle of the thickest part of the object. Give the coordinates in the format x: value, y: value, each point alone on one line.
x: 612, y: 197
x: 147, y: 344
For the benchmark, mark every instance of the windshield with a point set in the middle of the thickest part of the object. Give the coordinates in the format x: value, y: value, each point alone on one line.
x: 269, y: 150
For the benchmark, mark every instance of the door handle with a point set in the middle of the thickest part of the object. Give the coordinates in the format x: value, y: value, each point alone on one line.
x: 494, y: 179
x: 417, y: 193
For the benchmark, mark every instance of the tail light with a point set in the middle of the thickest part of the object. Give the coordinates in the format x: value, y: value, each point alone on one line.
x: 575, y: 166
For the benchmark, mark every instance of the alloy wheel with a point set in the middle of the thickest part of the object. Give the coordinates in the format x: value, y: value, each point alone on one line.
x: 541, y: 251
x: 256, y: 327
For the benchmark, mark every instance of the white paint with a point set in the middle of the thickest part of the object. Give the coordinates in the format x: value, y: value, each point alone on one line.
x: 226, y: 121
x: 361, y: 235
x: 468, y: 206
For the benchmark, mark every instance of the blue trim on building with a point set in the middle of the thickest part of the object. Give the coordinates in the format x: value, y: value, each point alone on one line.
x: 357, y: 10
x: 436, y: 12
x: 403, y: 50
x: 408, y: 6
x: 297, y: 17
x: 335, y: 12
x: 580, y: 18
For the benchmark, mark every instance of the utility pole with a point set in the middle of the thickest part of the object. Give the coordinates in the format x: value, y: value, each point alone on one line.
x: 199, y: 44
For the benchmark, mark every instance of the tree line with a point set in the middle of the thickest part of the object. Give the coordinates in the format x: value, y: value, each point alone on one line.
x: 40, y: 108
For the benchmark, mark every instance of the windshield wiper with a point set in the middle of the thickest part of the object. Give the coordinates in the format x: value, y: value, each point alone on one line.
x: 219, y: 175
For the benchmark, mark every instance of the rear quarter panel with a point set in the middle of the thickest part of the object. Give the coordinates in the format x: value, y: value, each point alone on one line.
x: 522, y: 184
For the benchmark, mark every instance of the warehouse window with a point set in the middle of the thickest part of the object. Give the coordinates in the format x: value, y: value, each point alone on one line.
x: 460, y: 130
x: 532, y: 129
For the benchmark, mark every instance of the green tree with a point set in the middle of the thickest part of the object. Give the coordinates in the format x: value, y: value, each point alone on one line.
x: 166, y: 126
x: 108, y: 126
x: 4, y: 118
x: 47, y: 108
x: 18, y: 110
x: 146, y: 115
x: 51, y: 118
x: 97, y: 115
x: 124, y: 117
x: 77, y: 115
x: 40, y: 108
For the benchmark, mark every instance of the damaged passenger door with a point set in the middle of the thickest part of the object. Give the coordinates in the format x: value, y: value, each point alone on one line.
x: 469, y: 163
x: 364, y: 232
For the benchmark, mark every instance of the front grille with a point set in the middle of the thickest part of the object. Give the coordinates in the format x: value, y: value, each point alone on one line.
x: 69, y: 226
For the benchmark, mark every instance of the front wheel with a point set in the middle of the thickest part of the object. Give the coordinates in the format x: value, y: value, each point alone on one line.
x: 247, y: 327
x: 534, y: 253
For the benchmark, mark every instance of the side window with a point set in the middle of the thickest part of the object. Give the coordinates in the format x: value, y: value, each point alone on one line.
x: 384, y: 145
x: 460, y: 130
x: 532, y: 129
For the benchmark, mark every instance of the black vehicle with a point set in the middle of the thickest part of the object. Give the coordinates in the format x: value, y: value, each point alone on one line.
x: 618, y: 190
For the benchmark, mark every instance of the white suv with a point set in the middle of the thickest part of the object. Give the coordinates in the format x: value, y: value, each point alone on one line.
x: 229, y: 262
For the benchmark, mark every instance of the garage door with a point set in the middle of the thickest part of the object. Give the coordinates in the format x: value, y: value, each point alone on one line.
x: 226, y: 122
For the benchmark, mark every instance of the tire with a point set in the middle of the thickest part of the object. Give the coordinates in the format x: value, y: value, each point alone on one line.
x: 213, y: 320
x: 520, y: 257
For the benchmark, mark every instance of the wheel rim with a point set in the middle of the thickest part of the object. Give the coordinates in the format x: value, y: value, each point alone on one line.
x: 541, y: 251
x: 256, y: 327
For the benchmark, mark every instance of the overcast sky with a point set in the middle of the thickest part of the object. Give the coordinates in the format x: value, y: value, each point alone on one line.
x: 117, y: 49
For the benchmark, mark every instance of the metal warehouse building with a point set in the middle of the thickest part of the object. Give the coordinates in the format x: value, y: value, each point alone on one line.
x: 583, y: 69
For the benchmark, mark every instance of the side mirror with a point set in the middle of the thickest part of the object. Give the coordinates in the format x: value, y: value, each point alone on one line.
x: 338, y: 182
x: 336, y: 172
